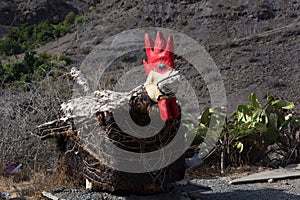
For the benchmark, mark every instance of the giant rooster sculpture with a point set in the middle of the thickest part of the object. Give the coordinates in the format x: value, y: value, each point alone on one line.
x: 139, y: 102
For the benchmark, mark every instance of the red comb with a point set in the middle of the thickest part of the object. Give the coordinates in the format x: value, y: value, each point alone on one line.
x: 160, y: 52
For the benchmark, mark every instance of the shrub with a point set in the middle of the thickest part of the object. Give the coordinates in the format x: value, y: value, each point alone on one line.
x: 32, y: 67
x: 80, y: 19
x: 27, y: 36
x: 9, y: 47
x: 44, y: 32
x: 1, y: 69
x: 69, y: 19
x: 250, y: 133
x: 17, y: 41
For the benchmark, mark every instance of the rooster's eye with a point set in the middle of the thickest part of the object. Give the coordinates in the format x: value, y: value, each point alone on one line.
x: 162, y: 66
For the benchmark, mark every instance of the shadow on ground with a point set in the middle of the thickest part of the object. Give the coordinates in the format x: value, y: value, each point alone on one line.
x: 265, y: 194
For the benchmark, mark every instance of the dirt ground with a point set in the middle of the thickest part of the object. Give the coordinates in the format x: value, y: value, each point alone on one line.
x: 220, y: 190
x: 200, y: 184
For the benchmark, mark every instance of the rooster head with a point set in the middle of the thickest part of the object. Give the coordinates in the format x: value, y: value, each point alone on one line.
x: 159, y: 68
x: 160, y: 54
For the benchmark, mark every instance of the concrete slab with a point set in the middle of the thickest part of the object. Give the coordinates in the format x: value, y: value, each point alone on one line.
x: 291, y: 171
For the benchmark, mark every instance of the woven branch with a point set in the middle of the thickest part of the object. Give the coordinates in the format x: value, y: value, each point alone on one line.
x: 95, y: 110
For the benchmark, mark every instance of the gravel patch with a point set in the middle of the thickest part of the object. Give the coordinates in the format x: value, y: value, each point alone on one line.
x: 196, y: 189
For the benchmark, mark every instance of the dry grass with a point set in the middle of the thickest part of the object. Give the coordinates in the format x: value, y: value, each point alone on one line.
x: 31, y: 184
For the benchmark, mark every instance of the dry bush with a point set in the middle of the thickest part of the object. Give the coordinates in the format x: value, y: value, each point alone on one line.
x: 20, y: 113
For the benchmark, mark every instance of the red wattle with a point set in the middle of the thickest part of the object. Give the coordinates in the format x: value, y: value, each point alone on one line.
x: 168, y: 108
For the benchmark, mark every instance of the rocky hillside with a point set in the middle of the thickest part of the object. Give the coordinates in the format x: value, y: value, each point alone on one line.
x: 255, y: 44
x: 17, y: 12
